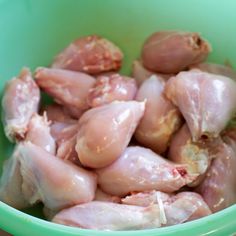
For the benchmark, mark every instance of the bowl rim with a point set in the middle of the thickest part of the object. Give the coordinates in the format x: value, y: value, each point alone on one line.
x: 211, y: 224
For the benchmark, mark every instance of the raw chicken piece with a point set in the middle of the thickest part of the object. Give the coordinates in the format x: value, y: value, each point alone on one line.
x: 173, y: 51
x: 11, y: 182
x: 57, y: 183
x: 141, y: 74
x: 104, y: 132
x: 66, y: 151
x: 68, y: 88
x: 216, y: 69
x: 196, y: 155
x: 146, y: 198
x: 185, y: 206
x: 20, y: 101
x: 179, y: 208
x: 207, y: 101
x: 57, y: 113
x: 109, y: 88
x: 140, y: 169
x: 91, y: 54
x: 39, y: 133
x: 61, y: 132
x: 104, y: 197
x: 161, y: 118
x: 229, y: 137
x: 109, y: 216
x: 219, y: 187
x: 65, y: 135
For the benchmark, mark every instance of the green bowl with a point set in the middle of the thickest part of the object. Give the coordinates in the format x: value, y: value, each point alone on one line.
x: 32, y: 32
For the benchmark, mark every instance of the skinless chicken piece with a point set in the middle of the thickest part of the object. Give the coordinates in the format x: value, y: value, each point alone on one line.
x: 66, y: 151
x: 104, y: 197
x: 91, y: 54
x: 109, y: 88
x: 57, y: 113
x: 20, y: 101
x: 105, y: 131
x: 173, y: 51
x: 161, y: 118
x: 65, y: 135
x: 68, y: 88
x: 216, y: 69
x: 146, y: 198
x: 110, y: 216
x: 11, y: 182
x: 207, y: 101
x: 63, y: 131
x: 219, y: 187
x: 196, y: 155
x: 57, y: 183
x: 141, y: 74
x: 140, y: 169
x: 39, y: 133
x: 179, y: 208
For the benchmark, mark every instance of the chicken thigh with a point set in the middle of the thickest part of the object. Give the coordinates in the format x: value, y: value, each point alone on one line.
x: 20, y: 101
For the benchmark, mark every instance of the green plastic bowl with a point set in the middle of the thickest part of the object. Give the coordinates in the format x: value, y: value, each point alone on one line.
x: 32, y: 32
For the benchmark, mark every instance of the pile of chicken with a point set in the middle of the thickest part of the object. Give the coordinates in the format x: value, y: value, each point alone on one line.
x: 121, y: 153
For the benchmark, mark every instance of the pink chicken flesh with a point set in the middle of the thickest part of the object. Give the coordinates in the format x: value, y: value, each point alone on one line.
x: 11, y: 182
x: 140, y: 169
x: 20, y: 101
x: 39, y: 133
x: 161, y: 118
x: 109, y: 88
x: 173, y: 51
x: 216, y: 69
x: 57, y: 183
x: 196, y: 155
x: 104, y: 132
x: 177, y: 209
x: 104, y: 197
x: 140, y: 73
x: 207, y: 101
x: 91, y: 54
x: 109, y: 216
x: 57, y: 113
x: 68, y: 88
x: 219, y: 187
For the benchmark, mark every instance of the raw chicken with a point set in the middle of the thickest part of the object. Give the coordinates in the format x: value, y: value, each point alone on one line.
x: 161, y: 118
x: 61, y: 131
x: 91, y: 54
x: 39, y: 133
x: 196, y: 155
x: 109, y: 88
x: 140, y: 169
x: 207, y: 101
x: 57, y: 183
x: 57, y: 113
x: 219, y: 187
x: 110, y: 216
x: 146, y: 198
x: 141, y: 74
x: 104, y: 197
x: 179, y: 208
x: 105, y: 132
x: 173, y: 51
x: 11, y: 182
x: 68, y: 88
x: 66, y: 151
x: 216, y: 69
x: 20, y: 101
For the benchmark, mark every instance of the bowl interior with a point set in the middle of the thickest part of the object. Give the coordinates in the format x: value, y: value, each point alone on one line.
x: 33, y: 32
